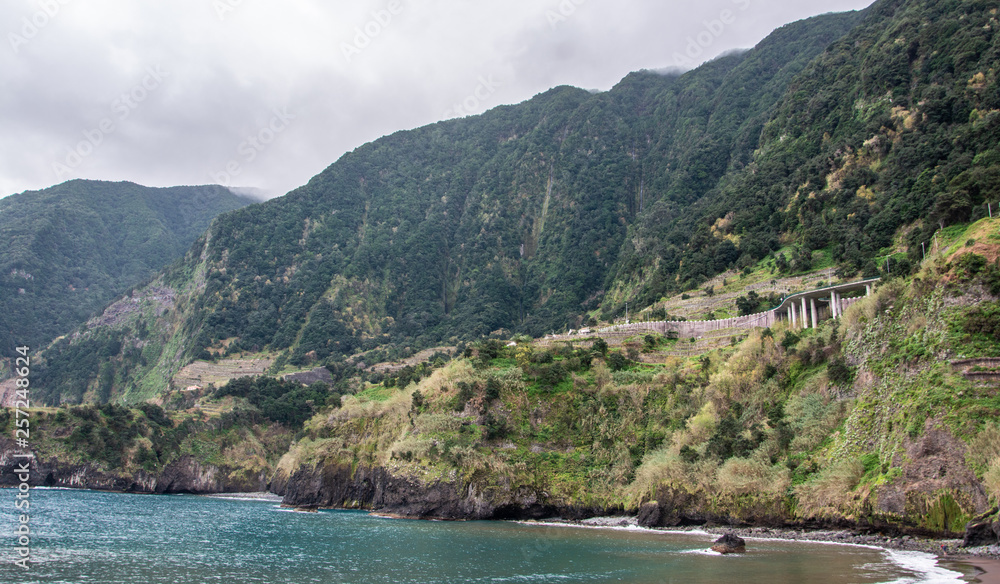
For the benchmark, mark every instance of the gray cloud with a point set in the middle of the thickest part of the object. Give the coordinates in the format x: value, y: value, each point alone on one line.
x: 167, y: 93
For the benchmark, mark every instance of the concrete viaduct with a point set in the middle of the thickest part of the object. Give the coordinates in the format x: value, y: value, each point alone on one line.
x: 806, y: 309
x: 803, y: 310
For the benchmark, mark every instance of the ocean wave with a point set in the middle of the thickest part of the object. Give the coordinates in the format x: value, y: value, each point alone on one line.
x: 924, y: 564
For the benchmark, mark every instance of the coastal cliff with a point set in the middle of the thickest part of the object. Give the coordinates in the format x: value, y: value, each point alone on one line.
x: 184, y: 475
x: 144, y: 450
x: 870, y: 421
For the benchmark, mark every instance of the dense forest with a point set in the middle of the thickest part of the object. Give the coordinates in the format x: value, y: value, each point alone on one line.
x: 70, y: 249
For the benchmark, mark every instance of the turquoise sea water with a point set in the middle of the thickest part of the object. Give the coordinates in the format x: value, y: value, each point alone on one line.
x: 108, y: 538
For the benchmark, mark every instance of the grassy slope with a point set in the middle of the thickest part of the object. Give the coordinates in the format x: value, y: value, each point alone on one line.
x: 863, y: 419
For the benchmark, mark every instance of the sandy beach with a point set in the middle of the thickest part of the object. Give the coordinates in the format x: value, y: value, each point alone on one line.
x: 977, y: 569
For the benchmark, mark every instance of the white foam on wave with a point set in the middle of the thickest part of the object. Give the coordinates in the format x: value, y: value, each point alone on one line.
x: 586, y: 526
x: 253, y: 499
x: 281, y: 509
x: 924, y: 564
x: 703, y: 552
x: 685, y: 532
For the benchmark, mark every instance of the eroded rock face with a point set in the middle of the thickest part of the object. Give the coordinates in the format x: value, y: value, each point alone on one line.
x: 649, y: 514
x: 377, y: 489
x: 982, y: 530
x: 184, y: 475
x: 936, y: 487
x: 730, y: 544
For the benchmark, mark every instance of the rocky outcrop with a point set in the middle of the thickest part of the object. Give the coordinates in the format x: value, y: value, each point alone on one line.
x: 730, y: 544
x: 339, y: 486
x: 185, y: 475
x: 678, y: 508
x: 983, y: 530
x: 319, y: 374
x: 8, y: 393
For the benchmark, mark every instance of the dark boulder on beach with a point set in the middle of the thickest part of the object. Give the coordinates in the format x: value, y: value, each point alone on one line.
x: 730, y: 544
x: 982, y: 530
x: 649, y: 514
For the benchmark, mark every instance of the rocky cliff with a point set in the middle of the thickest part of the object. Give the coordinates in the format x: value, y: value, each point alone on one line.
x: 185, y: 475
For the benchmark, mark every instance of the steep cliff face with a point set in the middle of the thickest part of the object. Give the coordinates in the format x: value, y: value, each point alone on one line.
x: 185, y: 475
x: 377, y: 489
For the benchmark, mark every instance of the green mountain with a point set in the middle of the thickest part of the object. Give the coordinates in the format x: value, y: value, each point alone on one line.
x: 816, y: 147
x: 841, y: 146
x: 70, y: 249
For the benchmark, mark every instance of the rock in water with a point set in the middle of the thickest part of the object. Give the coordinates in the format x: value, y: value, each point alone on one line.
x: 730, y: 544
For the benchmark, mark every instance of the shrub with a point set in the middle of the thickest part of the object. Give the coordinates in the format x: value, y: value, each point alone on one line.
x: 465, y: 392
x: 839, y: 372
x: 156, y: 414
x: 617, y: 361
x: 658, y: 467
x: 492, y: 388
x: 790, y: 340
x: 984, y: 449
x: 551, y: 374
x: 984, y: 320
x: 688, y: 454
x: 748, y: 304
x: 831, y: 491
x: 991, y: 479
x: 970, y: 265
x: 495, y: 428
x: 702, y: 425
x: 743, y: 476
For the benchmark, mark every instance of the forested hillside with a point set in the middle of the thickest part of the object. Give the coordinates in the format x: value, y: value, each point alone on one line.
x: 69, y: 250
x: 896, y: 124
x: 841, y: 146
x: 816, y: 148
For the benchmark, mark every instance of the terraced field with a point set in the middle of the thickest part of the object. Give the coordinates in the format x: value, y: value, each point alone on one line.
x: 204, y: 373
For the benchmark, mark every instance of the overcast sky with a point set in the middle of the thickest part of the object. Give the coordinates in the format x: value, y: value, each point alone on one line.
x: 266, y: 94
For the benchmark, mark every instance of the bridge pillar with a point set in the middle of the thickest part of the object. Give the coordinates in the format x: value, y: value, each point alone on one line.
x: 833, y: 304
x: 791, y: 312
x: 805, y: 314
x: 815, y: 319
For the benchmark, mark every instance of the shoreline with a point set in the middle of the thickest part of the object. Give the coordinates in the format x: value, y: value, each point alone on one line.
x: 985, y: 570
x: 978, y: 565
